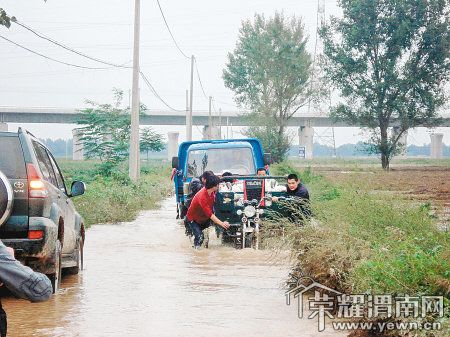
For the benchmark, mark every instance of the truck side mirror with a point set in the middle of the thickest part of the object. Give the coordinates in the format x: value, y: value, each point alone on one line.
x: 175, y: 162
x: 267, y: 159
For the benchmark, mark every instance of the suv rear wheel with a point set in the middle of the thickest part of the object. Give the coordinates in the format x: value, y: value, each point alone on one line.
x: 6, y: 198
x: 55, y: 278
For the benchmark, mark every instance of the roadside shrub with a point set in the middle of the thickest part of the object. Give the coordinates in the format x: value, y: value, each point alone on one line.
x: 364, y: 242
x: 116, y: 198
x: 285, y: 168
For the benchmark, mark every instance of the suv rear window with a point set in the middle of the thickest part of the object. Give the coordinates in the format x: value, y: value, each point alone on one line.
x: 12, y: 163
x: 44, y: 163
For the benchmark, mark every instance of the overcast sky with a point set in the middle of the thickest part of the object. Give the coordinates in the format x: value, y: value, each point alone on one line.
x: 104, y: 29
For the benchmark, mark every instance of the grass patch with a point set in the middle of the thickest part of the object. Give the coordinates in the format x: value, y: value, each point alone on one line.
x: 117, y: 198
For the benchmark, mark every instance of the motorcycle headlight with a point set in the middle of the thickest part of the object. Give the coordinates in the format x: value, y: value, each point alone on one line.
x: 268, y: 200
x: 249, y: 211
x: 186, y: 188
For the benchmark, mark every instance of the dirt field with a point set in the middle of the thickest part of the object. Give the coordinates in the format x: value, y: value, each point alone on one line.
x: 424, y: 181
x: 429, y: 183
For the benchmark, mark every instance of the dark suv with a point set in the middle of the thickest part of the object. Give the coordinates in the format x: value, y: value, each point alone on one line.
x: 37, y: 218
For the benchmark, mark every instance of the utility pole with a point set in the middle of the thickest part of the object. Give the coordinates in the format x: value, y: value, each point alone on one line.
x: 220, y: 122
x: 210, y: 119
x: 134, y: 141
x: 191, y: 101
x: 188, y: 126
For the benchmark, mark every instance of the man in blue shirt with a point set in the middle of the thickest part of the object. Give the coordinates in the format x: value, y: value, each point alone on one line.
x: 21, y: 281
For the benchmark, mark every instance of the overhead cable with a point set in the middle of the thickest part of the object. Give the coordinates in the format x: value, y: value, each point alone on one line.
x: 155, y: 93
x: 69, y: 48
x: 200, y: 80
x: 170, y: 31
x: 52, y: 59
x: 113, y: 65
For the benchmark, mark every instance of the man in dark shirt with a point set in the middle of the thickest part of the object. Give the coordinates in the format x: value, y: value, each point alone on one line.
x: 200, y: 212
x: 261, y: 172
x: 296, y: 190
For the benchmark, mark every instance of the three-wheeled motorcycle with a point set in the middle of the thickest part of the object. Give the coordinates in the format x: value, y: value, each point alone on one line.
x: 243, y: 197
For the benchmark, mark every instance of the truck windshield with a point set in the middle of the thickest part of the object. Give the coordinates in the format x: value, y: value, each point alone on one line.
x: 238, y: 161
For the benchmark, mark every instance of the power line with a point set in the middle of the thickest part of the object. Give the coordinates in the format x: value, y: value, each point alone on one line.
x: 170, y: 31
x: 50, y: 58
x: 113, y: 65
x: 155, y: 93
x: 69, y: 48
x: 150, y: 86
x: 229, y: 104
x: 199, y: 79
x: 214, y: 106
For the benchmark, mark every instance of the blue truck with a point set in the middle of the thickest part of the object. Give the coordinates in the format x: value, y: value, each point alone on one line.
x: 243, y: 196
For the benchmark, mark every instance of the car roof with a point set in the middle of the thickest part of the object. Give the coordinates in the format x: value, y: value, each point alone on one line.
x: 219, y: 145
x: 8, y: 134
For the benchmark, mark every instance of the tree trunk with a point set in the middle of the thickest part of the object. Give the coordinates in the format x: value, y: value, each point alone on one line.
x: 385, y: 162
x: 280, y: 143
x: 384, y: 148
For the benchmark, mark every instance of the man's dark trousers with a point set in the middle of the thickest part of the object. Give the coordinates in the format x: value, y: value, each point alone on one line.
x: 197, y: 230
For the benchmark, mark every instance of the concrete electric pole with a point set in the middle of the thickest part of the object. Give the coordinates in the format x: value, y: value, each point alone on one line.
x: 134, y: 140
x: 210, y: 119
x: 191, y: 101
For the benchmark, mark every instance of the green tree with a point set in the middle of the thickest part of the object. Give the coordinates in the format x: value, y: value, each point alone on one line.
x: 106, y: 131
x: 390, y: 61
x: 269, y: 72
x: 150, y: 141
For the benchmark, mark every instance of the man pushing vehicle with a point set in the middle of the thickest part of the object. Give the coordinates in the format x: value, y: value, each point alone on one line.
x: 201, y: 213
x: 21, y: 281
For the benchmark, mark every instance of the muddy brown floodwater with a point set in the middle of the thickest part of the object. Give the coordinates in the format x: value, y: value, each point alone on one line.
x: 143, y: 279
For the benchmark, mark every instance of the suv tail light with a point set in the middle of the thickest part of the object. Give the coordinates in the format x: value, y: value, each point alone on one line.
x: 36, y: 186
x: 34, y: 235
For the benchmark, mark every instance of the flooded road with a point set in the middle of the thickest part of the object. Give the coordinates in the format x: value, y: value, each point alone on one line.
x: 143, y: 279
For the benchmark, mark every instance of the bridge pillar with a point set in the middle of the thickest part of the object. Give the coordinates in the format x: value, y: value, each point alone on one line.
x: 306, y: 139
x: 172, y: 149
x: 3, y: 127
x: 437, y: 147
x: 212, y: 132
x: 402, y: 143
x: 77, y: 145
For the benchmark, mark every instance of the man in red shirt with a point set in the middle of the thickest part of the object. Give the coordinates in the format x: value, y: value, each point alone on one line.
x: 200, y: 212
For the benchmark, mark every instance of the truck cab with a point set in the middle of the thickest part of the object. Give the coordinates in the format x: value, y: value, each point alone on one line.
x: 240, y: 157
